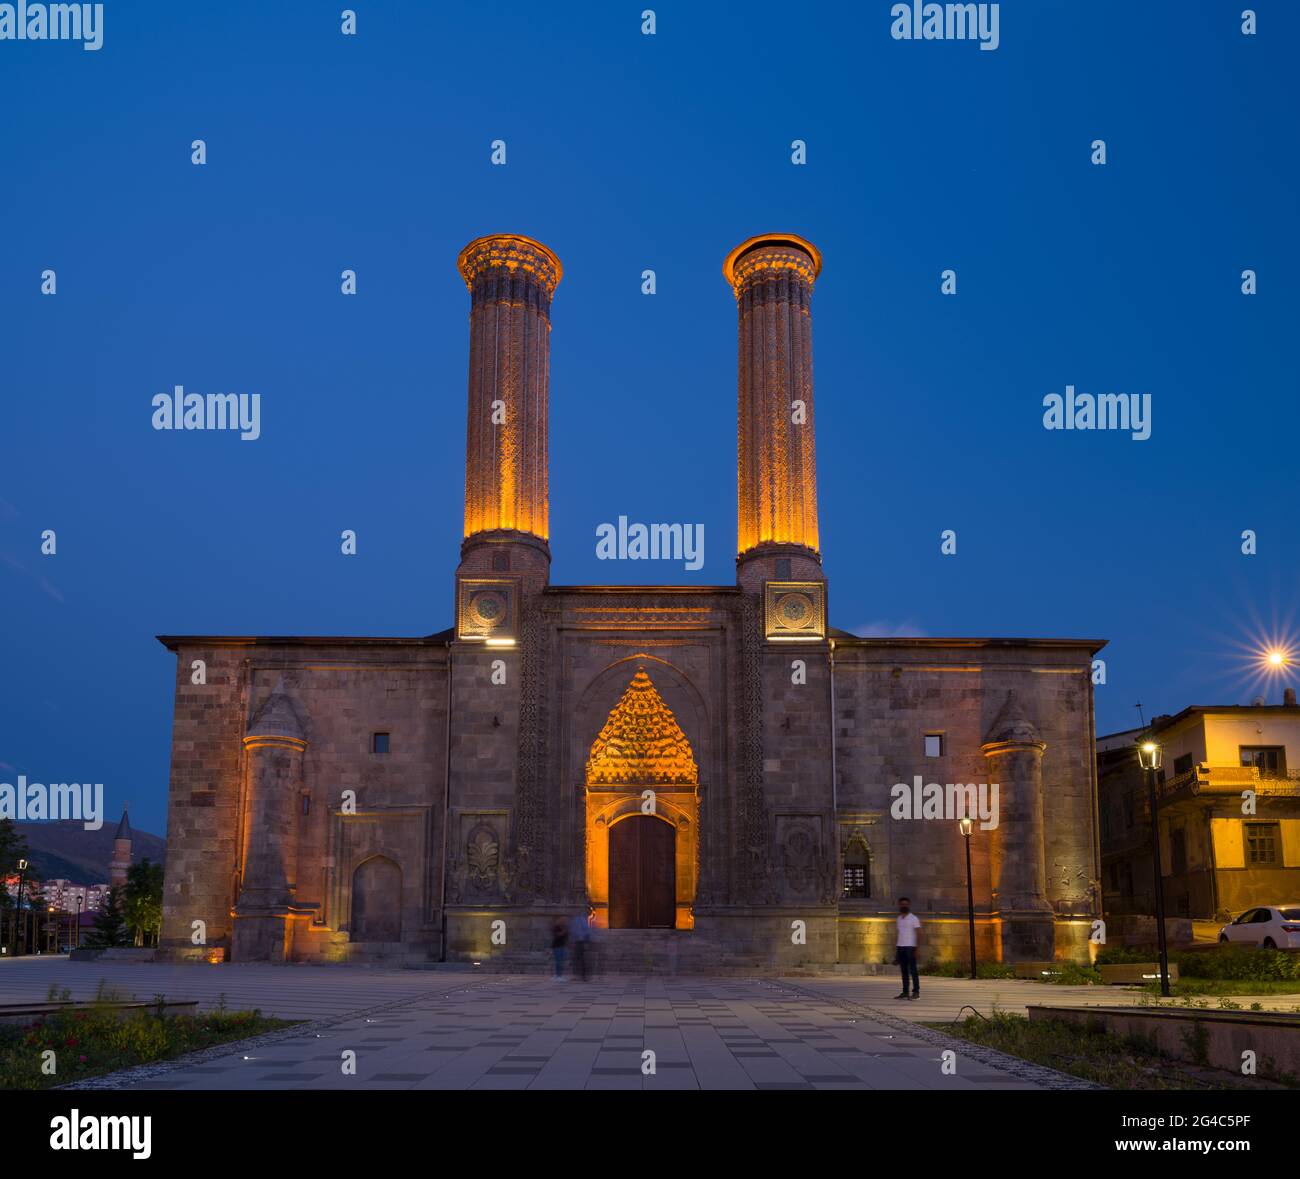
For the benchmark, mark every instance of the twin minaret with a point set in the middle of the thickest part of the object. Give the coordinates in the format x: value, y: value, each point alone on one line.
x: 511, y: 281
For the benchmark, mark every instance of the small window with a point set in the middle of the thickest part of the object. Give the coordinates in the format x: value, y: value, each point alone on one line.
x: 857, y: 870
x: 1183, y: 765
x: 783, y: 569
x: 1262, y: 842
x: 1268, y: 759
x: 500, y: 562
x: 934, y: 745
x: 379, y: 743
x: 306, y: 804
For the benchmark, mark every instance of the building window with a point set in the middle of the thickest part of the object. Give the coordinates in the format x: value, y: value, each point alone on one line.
x: 1268, y: 759
x: 783, y: 569
x: 1178, y: 852
x: 306, y: 804
x: 1262, y: 842
x: 857, y: 870
x: 378, y: 742
x: 500, y: 562
x: 1183, y: 765
x: 934, y: 745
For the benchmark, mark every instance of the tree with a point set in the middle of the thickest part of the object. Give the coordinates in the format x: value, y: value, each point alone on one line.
x: 142, y: 901
x: 110, y: 923
x: 13, y: 847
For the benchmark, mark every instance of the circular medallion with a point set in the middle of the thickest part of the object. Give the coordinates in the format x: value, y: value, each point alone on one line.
x: 795, y: 610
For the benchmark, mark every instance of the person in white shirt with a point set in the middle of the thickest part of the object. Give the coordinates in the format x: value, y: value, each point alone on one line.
x: 909, y: 939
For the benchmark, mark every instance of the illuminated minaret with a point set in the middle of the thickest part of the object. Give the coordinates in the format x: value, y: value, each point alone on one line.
x: 772, y: 276
x: 122, y: 841
x: 511, y: 279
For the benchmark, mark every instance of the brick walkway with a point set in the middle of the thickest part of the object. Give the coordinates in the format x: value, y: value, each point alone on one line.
x: 435, y: 1030
x: 419, y: 1030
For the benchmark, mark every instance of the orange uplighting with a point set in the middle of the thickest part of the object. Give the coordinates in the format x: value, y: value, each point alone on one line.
x: 511, y: 279
x: 772, y: 276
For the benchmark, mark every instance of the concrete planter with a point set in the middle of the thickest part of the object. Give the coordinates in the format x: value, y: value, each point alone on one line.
x: 25, y: 1013
x: 1135, y: 974
x: 1220, y: 1039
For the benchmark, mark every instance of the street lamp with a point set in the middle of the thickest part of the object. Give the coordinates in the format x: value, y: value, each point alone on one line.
x: 18, y: 912
x: 967, y: 825
x: 1150, y: 755
x: 76, y: 935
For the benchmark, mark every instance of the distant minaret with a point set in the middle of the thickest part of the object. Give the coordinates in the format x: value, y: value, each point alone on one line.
x: 121, y: 853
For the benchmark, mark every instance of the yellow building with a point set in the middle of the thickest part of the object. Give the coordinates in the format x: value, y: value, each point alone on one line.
x: 1228, y: 804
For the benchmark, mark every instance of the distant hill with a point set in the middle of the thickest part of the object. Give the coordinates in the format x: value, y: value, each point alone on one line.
x: 66, y: 850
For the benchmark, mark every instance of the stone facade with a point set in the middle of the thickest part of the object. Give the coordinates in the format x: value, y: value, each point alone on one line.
x: 338, y: 799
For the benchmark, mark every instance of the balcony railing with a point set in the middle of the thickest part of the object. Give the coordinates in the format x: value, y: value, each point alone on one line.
x: 1206, y: 779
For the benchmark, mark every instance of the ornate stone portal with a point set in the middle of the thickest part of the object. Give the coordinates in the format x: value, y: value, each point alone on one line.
x: 642, y: 767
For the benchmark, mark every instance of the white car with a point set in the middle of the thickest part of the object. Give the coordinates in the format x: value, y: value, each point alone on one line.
x: 1275, y: 927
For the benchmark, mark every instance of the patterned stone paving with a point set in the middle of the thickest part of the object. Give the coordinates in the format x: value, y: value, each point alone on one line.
x: 529, y: 1032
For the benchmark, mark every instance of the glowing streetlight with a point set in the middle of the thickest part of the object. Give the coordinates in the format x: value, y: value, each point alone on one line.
x: 967, y: 827
x: 1150, y: 755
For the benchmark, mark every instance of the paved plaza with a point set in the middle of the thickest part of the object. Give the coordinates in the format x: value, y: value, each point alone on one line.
x: 463, y: 1030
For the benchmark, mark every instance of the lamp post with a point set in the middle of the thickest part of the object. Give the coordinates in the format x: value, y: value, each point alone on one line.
x: 1150, y: 755
x: 18, y: 912
x: 967, y: 826
x: 76, y: 936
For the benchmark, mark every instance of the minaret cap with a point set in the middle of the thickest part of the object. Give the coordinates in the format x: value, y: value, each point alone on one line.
x: 513, y: 251
x: 792, y: 240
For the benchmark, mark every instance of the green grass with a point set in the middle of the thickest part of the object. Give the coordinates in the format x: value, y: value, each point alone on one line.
x: 1090, y: 1052
x: 1238, y: 963
x: 962, y: 970
x: 92, y: 1041
x: 1228, y: 986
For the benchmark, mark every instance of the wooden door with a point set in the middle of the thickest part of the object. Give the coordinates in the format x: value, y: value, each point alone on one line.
x: 642, y: 874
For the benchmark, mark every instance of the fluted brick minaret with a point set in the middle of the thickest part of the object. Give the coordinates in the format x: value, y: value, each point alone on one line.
x: 772, y: 276
x: 511, y: 279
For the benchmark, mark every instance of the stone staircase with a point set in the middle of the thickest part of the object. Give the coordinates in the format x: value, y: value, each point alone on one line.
x: 396, y: 954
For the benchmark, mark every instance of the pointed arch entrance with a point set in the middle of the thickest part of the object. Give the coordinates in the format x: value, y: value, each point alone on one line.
x: 377, y: 901
x: 642, y: 791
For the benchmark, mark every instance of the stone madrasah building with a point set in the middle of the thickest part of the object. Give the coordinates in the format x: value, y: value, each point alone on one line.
x: 711, y: 769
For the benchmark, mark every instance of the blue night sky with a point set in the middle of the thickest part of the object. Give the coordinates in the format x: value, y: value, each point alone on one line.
x: 628, y: 152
